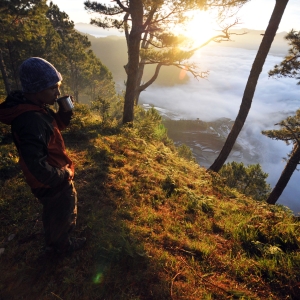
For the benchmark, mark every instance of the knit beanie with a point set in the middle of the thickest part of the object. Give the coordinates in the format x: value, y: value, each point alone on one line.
x: 37, y: 74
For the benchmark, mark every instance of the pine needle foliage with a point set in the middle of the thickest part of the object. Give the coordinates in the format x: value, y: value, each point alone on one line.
x: 158, y: 226
x: 249, y: 180
x: 290, y: 66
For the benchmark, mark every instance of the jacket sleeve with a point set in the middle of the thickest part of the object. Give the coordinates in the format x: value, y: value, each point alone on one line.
x: 33, y: 135
x: 63, y: 118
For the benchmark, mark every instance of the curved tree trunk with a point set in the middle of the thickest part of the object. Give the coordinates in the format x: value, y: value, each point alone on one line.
x: 251, y: 84
x: 139, y: 81
x: 134, y: 39
x: 285, y: 175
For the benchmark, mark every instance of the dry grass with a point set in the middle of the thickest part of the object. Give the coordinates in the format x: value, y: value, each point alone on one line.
x: 158, y: 227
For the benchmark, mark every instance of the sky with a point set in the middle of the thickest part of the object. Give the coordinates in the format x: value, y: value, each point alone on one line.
x: 253, y: 15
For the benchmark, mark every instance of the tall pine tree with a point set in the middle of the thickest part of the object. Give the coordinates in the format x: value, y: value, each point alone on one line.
x: 251, y: 84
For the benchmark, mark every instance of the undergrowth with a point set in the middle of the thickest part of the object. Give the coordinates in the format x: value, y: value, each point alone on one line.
x: 158, y: 226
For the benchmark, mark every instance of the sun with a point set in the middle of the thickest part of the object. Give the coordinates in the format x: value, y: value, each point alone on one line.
x: 201, y: 28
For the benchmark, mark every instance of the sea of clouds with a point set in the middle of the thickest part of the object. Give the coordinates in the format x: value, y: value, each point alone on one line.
x: 220, y: 96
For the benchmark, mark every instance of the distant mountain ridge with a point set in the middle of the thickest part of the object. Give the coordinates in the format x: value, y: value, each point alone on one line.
x: 110, y: 48
x: 252, y: 39
x: 242, y: 38
x: 112, y: 51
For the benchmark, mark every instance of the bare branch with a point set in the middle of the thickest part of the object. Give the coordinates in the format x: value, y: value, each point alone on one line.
x: 126, y: 9
x: 150, y: 17
x: 186, y: 68
x: 225, y: 37
x: 165, y: 17
x: 153, y: 78
x: 126, y: 27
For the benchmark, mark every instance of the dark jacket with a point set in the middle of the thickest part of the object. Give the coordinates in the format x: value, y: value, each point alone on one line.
x: 36, y: 133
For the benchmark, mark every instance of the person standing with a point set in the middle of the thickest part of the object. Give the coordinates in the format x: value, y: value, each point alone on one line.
x: 48, y: 170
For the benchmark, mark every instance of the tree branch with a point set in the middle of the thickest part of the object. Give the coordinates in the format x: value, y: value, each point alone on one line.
x: 220, y: 38
x: 177, y: 65
x: 150, y: 81
x: 126, y: 27
x: 126, y: 9
x: 291, y: 131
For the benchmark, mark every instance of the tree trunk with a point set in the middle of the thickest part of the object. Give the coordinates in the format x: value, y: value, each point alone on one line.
x: 76, y: 95
x: 4, y: 73
x: 134, y: 40
x: 285, y: 175
x: 139, y: 81
x: 251, y: 84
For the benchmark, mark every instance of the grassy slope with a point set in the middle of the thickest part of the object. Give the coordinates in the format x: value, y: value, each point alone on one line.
x: 157, y: 225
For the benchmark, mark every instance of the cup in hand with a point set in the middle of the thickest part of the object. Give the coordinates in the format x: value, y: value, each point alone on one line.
x: 65, y: 103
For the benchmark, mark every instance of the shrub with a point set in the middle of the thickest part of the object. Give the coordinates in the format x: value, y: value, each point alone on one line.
x: 185, y: 152
x: 249, y: 180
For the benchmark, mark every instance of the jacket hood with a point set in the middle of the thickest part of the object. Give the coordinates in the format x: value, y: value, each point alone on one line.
x: 14, y: 105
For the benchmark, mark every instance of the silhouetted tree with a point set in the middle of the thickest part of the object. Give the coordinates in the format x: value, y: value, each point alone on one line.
x: 290, y: 66
x: 148, y: 27
x: 289, y: 132
x: 20, y: 21
x: 31, y: 28
x: 256, y: 69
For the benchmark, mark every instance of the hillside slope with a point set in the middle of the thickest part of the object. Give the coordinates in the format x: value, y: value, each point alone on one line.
x: 158, y: 227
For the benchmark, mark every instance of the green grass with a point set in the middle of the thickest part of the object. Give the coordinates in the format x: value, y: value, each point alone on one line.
x: 158, y: 226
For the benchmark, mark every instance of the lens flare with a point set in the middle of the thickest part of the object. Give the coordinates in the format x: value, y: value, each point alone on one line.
x: 98, y: 278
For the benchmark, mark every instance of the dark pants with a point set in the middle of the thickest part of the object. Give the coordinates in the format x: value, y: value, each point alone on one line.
x: 59, y: 217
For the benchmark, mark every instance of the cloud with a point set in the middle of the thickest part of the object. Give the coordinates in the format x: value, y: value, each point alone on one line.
x: 220, y: 96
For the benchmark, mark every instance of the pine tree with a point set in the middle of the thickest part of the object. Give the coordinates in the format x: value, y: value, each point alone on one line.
x: 20, y: 21
x: 251, y: 84
x: 35, y: 29
x: 148, y: 30
x: 249, y: 180
x: 289, y: 132
x: 290, y: 66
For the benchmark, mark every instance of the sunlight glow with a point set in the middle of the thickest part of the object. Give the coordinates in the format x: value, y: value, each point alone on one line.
x: 200, y: 28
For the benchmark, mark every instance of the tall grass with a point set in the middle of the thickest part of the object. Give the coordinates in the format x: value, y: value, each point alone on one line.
x: 158, y: 226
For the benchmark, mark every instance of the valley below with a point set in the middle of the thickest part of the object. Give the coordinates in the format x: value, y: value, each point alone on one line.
x: 206, y: 139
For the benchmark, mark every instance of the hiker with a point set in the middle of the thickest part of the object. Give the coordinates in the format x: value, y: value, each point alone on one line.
x: 42, y: 156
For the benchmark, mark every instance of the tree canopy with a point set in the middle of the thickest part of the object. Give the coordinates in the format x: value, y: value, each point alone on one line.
x: 249, y: 180
x: 33, y: 28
